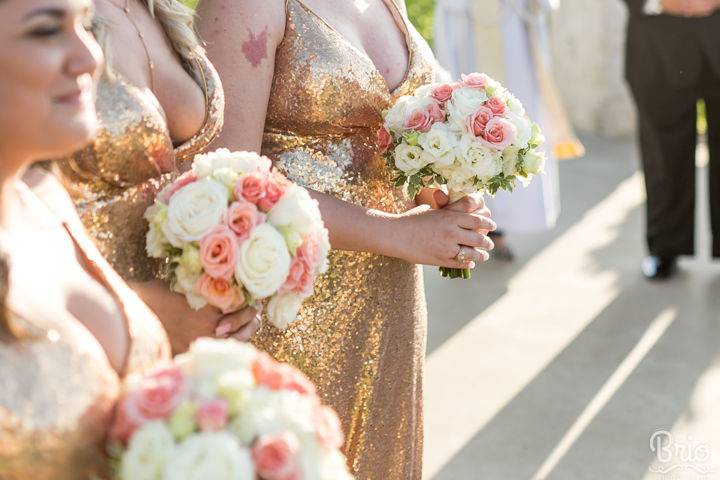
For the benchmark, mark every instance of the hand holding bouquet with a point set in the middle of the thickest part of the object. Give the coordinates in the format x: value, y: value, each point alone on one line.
x: 224, y: 410
x: 236, y: 232
x: 467, y: 137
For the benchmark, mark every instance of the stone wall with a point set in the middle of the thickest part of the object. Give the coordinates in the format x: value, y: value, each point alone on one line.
x: 589, y: 38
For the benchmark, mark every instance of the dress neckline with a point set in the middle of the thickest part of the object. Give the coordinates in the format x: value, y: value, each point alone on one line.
x: 400, y: 23
x: 90, y: 265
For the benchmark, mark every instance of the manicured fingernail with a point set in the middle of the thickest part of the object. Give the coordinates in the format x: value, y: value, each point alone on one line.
x: 471, y: 265
x: 222, y: 329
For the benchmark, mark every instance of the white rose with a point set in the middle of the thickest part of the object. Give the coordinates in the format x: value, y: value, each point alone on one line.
x: 484, y: 162
x: 241, y: 162
x: 409, y: 159
x: 464, y: 102
x: 298, y: 210
x: 155, y: 242
x: 424, y: 91
x: 149, y: 450
x: 208, y: 359
x: 283, y: 309
x: 325, y: 247
x: 226, y: 176
x: 509, y: 161
x: 263, y: 262
x: 333, y: 466
x: 440, y: 142
x: 514, y: 105
x: 535, y: 162
x: 194, y: 211
x: 210, y: 455
x: 395, y: 117
x: 524, y: 128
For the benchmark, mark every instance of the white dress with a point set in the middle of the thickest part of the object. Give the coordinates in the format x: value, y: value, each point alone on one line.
x: 528, y: 209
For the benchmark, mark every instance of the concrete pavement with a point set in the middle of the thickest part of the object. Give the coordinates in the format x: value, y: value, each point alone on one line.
x: 567, y: 364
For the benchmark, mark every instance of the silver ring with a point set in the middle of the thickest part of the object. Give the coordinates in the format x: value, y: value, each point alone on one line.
x: 462, y: 255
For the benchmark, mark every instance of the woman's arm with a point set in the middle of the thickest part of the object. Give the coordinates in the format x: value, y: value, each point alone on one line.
x: 242, y: 38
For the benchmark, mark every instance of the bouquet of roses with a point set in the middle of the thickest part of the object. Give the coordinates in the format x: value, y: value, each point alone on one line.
x: 235, y: 232
x: 467, y: 137
x: 224, y: 410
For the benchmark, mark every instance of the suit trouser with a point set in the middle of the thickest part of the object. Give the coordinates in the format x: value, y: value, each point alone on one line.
x: 667, y: 118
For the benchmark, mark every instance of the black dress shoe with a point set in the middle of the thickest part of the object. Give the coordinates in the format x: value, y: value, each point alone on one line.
x: 659, y: 268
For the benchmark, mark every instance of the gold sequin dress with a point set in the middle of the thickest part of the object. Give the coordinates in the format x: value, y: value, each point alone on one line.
x: 116, y: 178
x: 361, y: 337
x: 57, y: 388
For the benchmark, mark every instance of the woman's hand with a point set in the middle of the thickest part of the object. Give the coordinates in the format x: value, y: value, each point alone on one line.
x: 184, y: 325
x: 435, y: 237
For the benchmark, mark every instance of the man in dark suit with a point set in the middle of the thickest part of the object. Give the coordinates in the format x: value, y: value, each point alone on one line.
x: 673, y: 60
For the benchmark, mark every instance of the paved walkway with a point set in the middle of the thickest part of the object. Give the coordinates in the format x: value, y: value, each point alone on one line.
x: 564, y: 364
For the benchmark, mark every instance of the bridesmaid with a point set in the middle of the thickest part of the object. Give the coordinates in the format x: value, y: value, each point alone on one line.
x: 322, y: 73
x: 160, y: 102
x: 70, y: 329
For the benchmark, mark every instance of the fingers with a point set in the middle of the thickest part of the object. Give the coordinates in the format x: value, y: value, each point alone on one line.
x: 468, y: 204
x: 473, y: 257
x: 231, y: 323
x: 476, y: 222
x: 699, y: 8
x: 246, y: 332
x: 434, y: 197
x: 476, y: 240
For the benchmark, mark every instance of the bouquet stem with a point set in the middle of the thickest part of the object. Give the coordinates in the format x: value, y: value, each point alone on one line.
x: 453, y: 273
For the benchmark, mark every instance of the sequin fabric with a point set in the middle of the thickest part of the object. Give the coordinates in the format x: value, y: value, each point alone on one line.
x: 116, y: 178
x: 361, y: 337
x: 57, y: 389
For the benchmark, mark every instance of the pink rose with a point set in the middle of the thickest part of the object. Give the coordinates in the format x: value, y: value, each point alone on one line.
x: 499, y: 134
x: 442, y: 93
x: 280, y: 376
x: 220, y: 293
x: 419, y: 120
x: 276, y: 186
x: 183, y: 180
x: 242, y: 218
x: 156, y: 398
x: 477, y: 122
x: 437, y: 114
x: 300, y: 279
x: 496, y: 105
x: 218, y: 252
x: 474, y: 80
x: 212, y: 415
x: 277, y: 456
x: 328, y: 428
x: 384, y: 140
x: 251, y: 187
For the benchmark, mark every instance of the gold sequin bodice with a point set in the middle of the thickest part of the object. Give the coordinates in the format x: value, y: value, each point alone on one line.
x: 57, y: 388
x: 116, y: 178
x: 361, y: 337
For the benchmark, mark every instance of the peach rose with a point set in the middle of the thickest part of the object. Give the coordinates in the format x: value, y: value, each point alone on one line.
x: 437, y: 114
x: 499, y: 134
x: 384, y: 140
x: 328, y: 428
x: 156, y: 398
x: 496, y: 105
x: 477, y: 122
x: 185, y: 179
x: 300, y: 279
x: 474, y: 80
x: 442, y: 93
x: 276, y: 186
x: 218, y: 252
x: 242, y: 217
x: 212, y: 415
x: 220, y: 293
x: 419, y: 120
x: 277, y: 456
x: 280, y: 376
x: 251, y: 187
